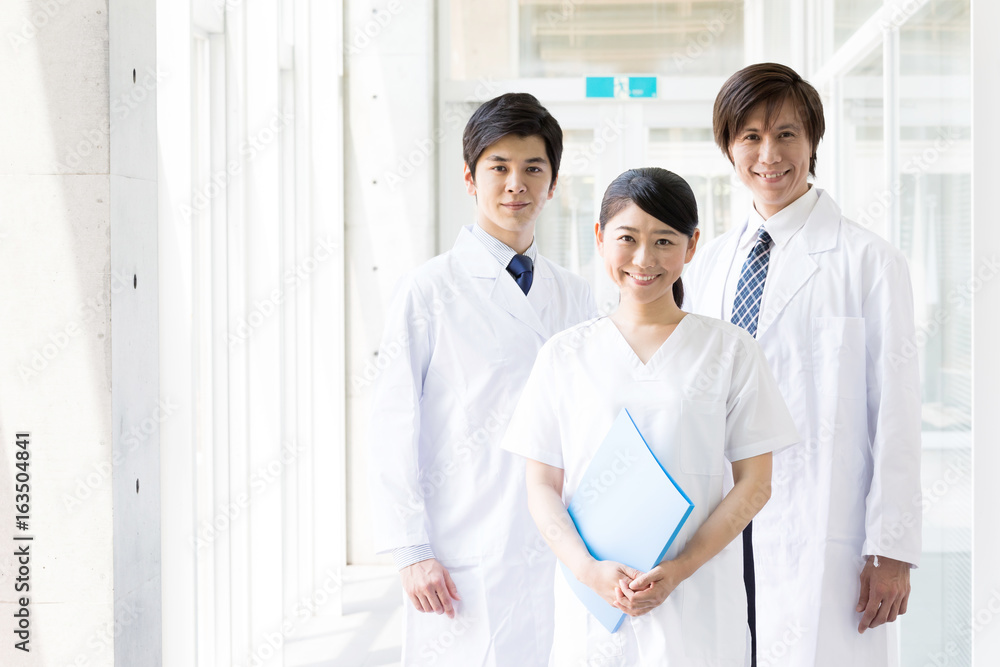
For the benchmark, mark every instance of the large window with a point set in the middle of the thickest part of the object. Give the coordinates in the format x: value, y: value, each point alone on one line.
x: 903, y: 162
x: 556, y: 38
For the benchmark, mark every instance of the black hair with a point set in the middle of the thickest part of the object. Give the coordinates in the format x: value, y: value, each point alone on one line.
x: 659, y: 193
x: 511, y: 113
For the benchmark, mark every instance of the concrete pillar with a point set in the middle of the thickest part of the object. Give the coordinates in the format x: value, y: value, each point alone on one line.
x: 78, y: 330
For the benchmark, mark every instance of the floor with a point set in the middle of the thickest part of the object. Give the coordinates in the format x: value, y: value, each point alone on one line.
x: 366, y: 635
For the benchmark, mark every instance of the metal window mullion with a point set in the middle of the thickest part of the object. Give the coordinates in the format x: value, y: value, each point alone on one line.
x: 220, y: 349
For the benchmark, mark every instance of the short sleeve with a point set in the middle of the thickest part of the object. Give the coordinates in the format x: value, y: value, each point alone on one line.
x: 757, y: 418
x: 533, y: 430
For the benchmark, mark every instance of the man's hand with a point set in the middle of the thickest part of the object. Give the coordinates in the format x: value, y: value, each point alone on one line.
x: 429, y: 587
x: 884, y: 592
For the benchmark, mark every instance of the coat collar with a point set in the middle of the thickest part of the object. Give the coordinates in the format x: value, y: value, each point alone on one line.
x: 819, y: 234
x: 477, y: 261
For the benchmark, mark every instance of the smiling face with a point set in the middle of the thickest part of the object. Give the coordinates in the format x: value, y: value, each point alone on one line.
x: 773, y: 161
x: 513, y: 181
x: 643, y: 256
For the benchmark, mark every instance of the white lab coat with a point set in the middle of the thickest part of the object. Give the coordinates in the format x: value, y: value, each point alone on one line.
x: 460, y: 339
x: 837, y: 330
x: 705, y: 397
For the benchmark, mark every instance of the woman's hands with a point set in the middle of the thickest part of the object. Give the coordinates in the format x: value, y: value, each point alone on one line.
x: 605, y: 576
x: 641, y: 594
x: 634, y: 592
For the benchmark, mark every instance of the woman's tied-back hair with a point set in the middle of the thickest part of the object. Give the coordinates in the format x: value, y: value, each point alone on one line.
x: 768, y: 84
x: 511, y: 113
x: 659, y: 193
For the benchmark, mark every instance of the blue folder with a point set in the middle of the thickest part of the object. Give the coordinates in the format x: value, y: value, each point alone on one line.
x: 627, y: 509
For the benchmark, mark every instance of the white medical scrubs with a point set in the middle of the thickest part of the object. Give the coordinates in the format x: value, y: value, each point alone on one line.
x: 704, y: 398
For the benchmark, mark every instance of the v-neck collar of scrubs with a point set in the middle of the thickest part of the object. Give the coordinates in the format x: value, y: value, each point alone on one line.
x: 664, y: 352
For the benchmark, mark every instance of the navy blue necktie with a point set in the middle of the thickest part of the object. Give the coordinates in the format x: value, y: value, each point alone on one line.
x: 750, y: 288
x: 520, y: 269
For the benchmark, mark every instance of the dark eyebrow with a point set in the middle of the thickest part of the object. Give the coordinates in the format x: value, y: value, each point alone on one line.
x: 668, y: 230
x: 500, y: 158
x: 786, y: 126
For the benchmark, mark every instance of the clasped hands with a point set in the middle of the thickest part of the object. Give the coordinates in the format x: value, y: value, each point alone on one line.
x: 633, y: 592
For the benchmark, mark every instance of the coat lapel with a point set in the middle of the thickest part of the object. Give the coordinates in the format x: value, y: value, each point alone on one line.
x: 715, y: 285
x: 503, y: 291
x: 818, y: 234
x: 540, y: 295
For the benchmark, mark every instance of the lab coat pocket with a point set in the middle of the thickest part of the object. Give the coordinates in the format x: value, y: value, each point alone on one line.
x: 433, y: 639
x: 703, y: 437
x: 839, y: 356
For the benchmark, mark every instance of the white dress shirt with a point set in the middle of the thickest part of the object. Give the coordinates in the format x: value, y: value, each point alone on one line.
x: 781, y: 226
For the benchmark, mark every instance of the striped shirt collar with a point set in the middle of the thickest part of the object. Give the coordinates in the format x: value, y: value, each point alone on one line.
x: 502, y: 252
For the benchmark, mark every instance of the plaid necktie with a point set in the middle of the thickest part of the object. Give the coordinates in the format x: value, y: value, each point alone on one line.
x: 750, y: 288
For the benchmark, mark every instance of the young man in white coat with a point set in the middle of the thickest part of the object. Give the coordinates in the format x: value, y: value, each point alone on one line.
x: 831, y: 305
x: 460, y: 339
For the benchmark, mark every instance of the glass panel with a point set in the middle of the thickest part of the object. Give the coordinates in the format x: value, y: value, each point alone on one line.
x: 560, y: 38
x: 933, y: 193
x: 863, y: 193
x: 669, y: 38
x: 936, y: 41
x: 565, y: 230
x: 692, y: 154
x: 935, y: 233
x: 849, y: 15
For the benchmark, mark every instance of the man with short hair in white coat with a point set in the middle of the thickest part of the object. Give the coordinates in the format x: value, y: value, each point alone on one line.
x: 460, y: 339
x: 831, y: 306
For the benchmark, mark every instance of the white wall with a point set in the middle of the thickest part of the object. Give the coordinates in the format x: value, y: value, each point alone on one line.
x: 986, y: 321
x: 390, y: 199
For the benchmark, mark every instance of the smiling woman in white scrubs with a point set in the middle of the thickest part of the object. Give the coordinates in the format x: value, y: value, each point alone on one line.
x: 700, y: 392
